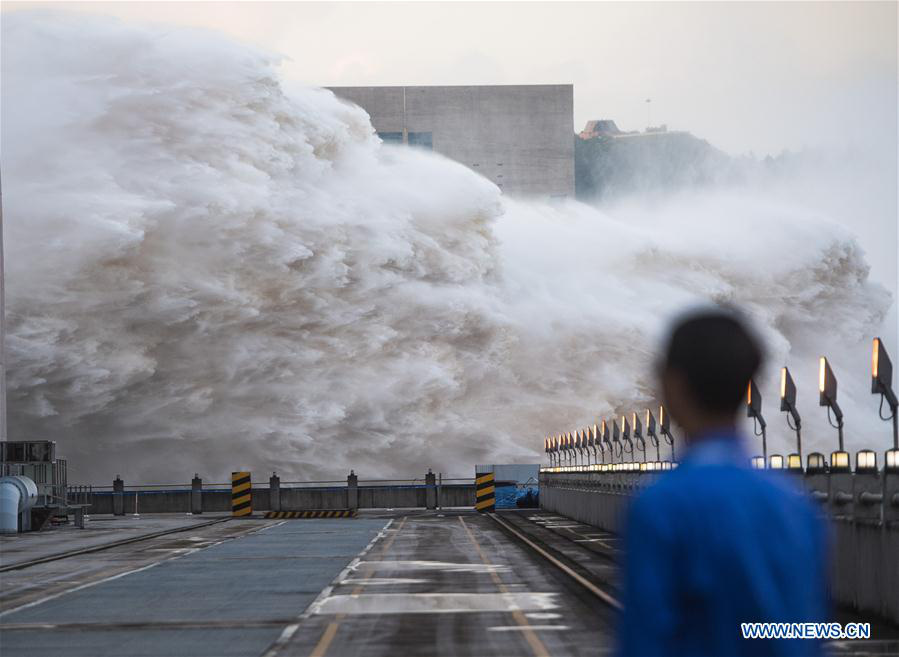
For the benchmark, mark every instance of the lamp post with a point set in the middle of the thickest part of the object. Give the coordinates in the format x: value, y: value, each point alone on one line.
x: 616, y: 442
x: 665, y: 430
x: 638, y: 434
x: 594, y: 441
x: 604, y: 436
x: 585, y: 454
x: 827, y: 387
x: 754, y: 410
x: 788, y: 404
x: 882, y: 384
x: 626, y: 438
x: 651, y: 434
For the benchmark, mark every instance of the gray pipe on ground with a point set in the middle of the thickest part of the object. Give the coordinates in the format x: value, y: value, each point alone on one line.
x: 17, y: 494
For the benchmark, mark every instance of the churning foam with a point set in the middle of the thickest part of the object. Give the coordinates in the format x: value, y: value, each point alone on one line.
x: 209, y: 269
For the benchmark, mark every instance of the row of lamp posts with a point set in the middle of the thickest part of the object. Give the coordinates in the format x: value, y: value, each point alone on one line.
x: 622, y: 439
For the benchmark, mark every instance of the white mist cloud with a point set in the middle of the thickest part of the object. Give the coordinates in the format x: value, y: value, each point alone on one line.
x: 209, y: 269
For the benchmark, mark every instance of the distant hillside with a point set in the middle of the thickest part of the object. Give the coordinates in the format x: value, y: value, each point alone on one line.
x: 606, y: 167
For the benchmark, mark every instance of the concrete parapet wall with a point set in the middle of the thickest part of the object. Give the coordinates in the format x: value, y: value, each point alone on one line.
x: 299, y: 498
x: 865, y: 566
x: 865, y: 553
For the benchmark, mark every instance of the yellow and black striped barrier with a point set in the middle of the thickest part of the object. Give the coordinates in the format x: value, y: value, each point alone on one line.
x: 241, y: 494
x: 485, y: 492
x: 335, y: 513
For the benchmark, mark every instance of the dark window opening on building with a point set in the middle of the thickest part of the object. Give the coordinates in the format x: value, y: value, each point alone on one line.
x: 422, y: 140
x: 391, y: 137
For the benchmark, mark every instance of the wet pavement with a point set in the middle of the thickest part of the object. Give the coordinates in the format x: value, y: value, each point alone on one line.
x: 410, y: 583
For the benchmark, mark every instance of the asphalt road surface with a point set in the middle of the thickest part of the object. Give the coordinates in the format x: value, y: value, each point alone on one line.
x: 402, y: 583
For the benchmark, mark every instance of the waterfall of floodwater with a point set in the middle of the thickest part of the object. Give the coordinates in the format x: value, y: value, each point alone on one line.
x: 211, y: 269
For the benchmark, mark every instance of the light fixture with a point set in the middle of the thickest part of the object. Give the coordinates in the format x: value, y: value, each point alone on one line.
x: 815, y: 463
x: 638, y: 434
x: 839, y: 461
x: 605, y: 438
x: 754, y: 410
x: 794, y: 462
x: 776, y: 462
x: 882, y: 384
x: 627, y: 445
x: 827, y: 388
x: 665, y: 429
x: 788, y: 404
x: 758, y: 462
x: 651, y: 432
x: 865, y: 462
x: 616, y: 442
x: 891, y: 462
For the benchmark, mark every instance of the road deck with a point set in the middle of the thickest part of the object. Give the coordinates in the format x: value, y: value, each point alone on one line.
x: 411, y: 583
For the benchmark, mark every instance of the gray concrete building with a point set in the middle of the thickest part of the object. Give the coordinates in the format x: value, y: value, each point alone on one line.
x: 521, y: 137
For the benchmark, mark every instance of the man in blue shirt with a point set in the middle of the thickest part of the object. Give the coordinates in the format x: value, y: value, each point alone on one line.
x: 714, y: 543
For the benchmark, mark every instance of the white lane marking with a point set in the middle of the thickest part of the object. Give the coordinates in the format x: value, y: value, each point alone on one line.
x: 435, y: 603
x: 524, y: 628
x: 543, y: 615
x: 288, y: 632
x: 88, y: 585
x: 381, y: 581
x: 445, y: 566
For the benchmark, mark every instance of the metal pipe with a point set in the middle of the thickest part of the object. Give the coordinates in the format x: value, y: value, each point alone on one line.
x: 17, y: 495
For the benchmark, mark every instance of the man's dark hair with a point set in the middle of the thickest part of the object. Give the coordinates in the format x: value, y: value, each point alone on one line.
x: 717, y: 354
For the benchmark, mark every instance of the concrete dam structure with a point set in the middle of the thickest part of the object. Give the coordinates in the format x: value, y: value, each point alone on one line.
x: 520, y: 137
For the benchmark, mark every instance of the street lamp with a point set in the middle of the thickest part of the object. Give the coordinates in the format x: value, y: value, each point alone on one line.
x: 616, y: 434
x: 754, y: 410
x: 827, y: 387
x: 882, y: 384
x: 638, y: 435
x: 595, y: 441
x: 788, y: 404
x: 626, y: 436
x: 579, y: 445
x: 606, y: 438
x: 665, y: 430
x: 651, y: 432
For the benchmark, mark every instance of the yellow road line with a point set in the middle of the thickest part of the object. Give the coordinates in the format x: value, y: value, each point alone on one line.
x: 324, y: 643
x: 328, y: 636
x: 528, y: 632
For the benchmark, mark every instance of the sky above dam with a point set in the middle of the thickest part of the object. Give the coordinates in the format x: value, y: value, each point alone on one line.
x: 749, y: 77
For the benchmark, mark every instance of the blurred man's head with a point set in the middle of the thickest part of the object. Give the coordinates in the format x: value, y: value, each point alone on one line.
x: 710, y: 357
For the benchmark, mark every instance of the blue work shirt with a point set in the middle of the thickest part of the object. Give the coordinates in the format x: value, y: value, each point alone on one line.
x: 713, y: 544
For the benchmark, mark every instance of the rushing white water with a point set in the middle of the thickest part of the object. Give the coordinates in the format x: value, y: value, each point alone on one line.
x: 209, y: 269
